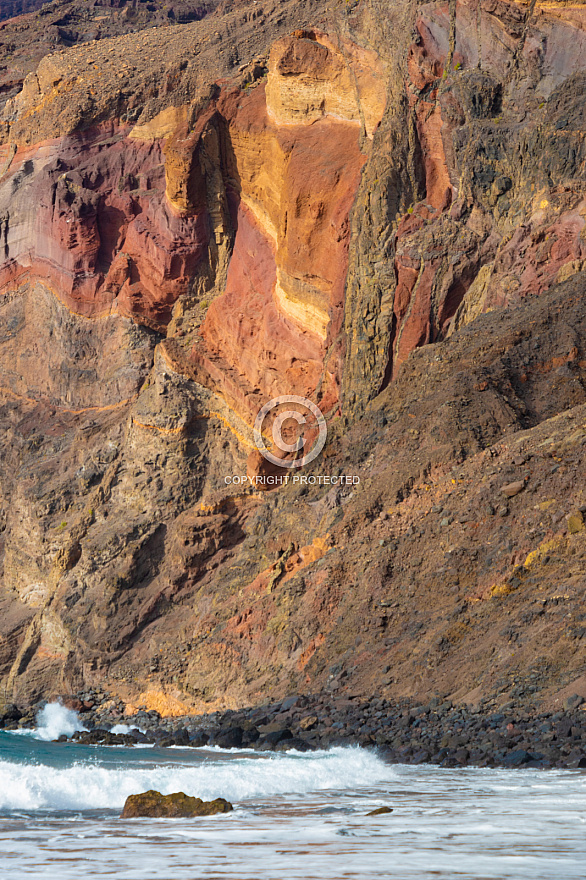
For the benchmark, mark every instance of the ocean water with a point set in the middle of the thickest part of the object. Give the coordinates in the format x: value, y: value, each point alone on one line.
x: 296, y: 815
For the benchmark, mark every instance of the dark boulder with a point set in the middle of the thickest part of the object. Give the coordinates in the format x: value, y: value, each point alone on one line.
x: 101, y: 737
x: 181, y: 737
x: 229, y: 738
x: 274, y: 737
x: 250, y: 735
x: 517, y: 758
x: 300, y: 745
x: 9, y: 714
x: 139, y: 736
x: 199, y: 738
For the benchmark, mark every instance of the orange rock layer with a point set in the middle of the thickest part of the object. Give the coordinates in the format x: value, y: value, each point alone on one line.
x: 120, y: 221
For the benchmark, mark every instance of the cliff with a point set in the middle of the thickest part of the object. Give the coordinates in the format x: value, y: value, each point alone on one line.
x: 380, y: 207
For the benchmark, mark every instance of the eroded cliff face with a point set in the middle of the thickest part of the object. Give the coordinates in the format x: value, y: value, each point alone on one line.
x: 249, y: 190
x: 272, y: 201
x: 495, y: 95
x: 86, y: 217
x: 294, y: 169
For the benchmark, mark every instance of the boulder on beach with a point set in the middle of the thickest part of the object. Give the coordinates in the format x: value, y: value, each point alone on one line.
x: 155, y: 805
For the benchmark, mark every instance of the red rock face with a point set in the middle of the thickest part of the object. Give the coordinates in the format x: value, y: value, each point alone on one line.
x: 536, y: 254
x: 245, y: 327
x: 295, y: 172
x: 88, y: 217
x: 118, y: 224
x: 121, y: 224
x: 114, y: 223
x: 283, y: 303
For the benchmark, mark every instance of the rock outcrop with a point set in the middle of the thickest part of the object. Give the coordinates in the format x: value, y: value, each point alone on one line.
x: 121, y: 220
x: 154, y: 805
x: 495, y: 116
x: 380, y: 208
x: 380, y: 811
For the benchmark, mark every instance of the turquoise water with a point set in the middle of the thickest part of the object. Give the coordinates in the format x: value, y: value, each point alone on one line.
x: 296, y: 816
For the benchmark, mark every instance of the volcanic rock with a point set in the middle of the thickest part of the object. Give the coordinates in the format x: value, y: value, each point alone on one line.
x: 378, y: 208
x: 512, y: 489
x: 152, y: 804
x: 229, y: 739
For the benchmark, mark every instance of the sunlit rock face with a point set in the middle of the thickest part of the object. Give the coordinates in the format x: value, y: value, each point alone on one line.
x: 281, y: 199
x: 86, y: 215
x: 296, y: 151
x: 119, y: 221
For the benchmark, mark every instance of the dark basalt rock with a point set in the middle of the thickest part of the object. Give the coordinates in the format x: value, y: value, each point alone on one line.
x: 300, y: 745
x: 438, y: 732
x: 178, y: 737
x: 9, y: 714
x: 250, y: 736
x: 153, y: 804
x: 199, y: 739
x: 231, y: 738
x: 139, y: 736
x: 274, y: 737
x: 104, y: 738
x: 517, y: 758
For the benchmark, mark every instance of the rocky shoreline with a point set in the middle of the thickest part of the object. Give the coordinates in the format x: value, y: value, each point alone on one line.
x: 438, y: 733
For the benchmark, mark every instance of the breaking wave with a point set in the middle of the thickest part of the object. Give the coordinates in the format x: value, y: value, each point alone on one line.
x: 53, y: 721
x: 87, y: 786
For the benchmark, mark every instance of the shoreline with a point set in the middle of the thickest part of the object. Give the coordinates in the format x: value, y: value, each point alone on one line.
x: 437, y: 733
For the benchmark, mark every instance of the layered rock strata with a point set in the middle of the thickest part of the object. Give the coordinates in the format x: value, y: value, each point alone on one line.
x: 381, y: 212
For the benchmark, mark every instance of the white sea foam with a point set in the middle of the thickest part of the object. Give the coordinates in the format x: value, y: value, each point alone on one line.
x: 52, y: 721
x: 55, y: 720
x: 94, y: 786
x: 307, y: 822
x: 121, y: 728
